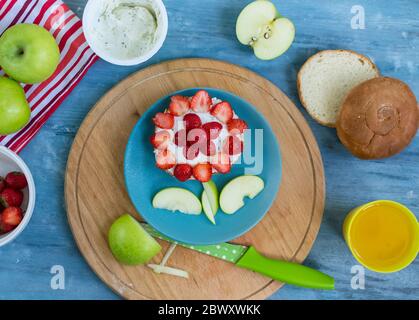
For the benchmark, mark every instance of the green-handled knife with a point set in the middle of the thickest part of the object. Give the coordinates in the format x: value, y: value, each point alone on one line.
x: 249, y: 258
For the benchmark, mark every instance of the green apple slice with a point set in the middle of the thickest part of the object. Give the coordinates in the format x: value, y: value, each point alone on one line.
x: 177, y: 199
x: 260, y: 26
x: 209, y: 200
x: 233, y: 194
x: 253, y: 20
x: 130, y: 243
x: 277, y: 40
x: 206, y: 206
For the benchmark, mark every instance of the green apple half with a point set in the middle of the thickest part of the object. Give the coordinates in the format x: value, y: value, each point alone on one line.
x: 28, y: 53
x: 233, y: 194
x: 14, y: 109
x: 177, y: 199
x: 260, y: 26
x: 130, y: 243
x: 209, y: 200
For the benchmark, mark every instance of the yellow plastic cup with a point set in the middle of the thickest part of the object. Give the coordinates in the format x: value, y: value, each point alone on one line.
x: 378, y: 244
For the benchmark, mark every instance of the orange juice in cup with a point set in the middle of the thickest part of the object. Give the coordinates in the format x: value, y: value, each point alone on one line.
x: 382, y: 235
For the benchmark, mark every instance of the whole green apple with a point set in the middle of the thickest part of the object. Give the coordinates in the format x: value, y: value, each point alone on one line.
x: 130, y: 243
x: 28, y: 53
x: 14, y: 109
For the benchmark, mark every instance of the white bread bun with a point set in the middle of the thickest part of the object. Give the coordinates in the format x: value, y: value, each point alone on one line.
x: 327, y: 77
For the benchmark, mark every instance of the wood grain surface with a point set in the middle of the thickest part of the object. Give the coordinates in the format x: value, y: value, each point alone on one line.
x: 96, y: 196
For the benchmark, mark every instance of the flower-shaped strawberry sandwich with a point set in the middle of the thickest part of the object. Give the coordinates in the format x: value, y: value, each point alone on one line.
x: 197, y: 137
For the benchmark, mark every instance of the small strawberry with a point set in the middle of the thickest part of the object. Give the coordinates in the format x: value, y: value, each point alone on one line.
x: 233, y: 146
x: 202, y: 172
x: 222, y: 112
x: 209, y: 149
x: 191, y: 152
x: 2, y: 184
x: 221, y: 162
x: 11, y: 216
x: 212, y: 129
x: 160, y: 140
x: 197, y: 136
x: 11, y: 198
x: 179, y: 105
x: 183, y: 172
x: 201, y: 101
x: 164, y: 120
x: 180, y: 138
x: 16, y: 180
x: 192, y: 121
x: 237, y: 126
x: 165, y: 159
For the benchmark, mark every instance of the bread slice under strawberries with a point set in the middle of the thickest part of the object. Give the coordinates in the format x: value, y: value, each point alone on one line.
x: 327, y: 77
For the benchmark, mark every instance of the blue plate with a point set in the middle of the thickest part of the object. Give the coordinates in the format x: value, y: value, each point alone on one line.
x: 144, y: 180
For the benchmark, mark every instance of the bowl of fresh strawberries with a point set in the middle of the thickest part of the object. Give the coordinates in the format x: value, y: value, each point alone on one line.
x: 17, y: 195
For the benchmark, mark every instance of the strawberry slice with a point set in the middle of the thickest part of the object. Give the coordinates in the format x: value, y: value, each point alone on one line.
x: 221, y: 162
x: 183, y: 172
x: 202, y: 172
x: 179, y: 105
x: 192, y: 121
x: 201, y: 101
x: 233, y: 146
x: 237, y: 126
x: 191, y: 152
x: 11, y: 216
x: 160, y: 140
x: 197, y: 136
x: 165, y: 159
x: 164, y: 120
x: 212, y: 129
x: 209, y: 150
x: 222, y: 112
x: 180, y: 138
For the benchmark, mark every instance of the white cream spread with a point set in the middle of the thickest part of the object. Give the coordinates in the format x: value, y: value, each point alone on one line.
x: 126, y: 29
x: 206, y: 117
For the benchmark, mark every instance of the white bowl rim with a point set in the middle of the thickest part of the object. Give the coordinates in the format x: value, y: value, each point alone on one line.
x: 129, y: 62
x: 8, y: 237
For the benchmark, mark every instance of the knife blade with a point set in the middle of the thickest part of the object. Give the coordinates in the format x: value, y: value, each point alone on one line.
x: 249, y: 258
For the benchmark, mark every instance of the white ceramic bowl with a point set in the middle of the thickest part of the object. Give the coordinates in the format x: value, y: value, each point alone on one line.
x: 90, y: 14
x: 10, y: 161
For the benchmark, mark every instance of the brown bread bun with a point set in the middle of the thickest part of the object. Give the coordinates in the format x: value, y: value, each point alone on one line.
x: 378, y: 118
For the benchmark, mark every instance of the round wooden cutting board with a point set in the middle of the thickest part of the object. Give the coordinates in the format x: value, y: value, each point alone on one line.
x: 96, y: 196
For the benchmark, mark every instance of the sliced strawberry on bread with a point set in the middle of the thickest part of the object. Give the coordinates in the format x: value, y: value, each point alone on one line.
x: 164, y: 120
x: 165, y: 160
x: 221, y: 162
x: 223, y: 112
x: 179, y: 105
x: 183, y: 172
x: 160, y: 140
x: 202, y: 172
x: 237, y: 126
x: 201, y: 101
x: 233, y: 146
x: 212, y: 129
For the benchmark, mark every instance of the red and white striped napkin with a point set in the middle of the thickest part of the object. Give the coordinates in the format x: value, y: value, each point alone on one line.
x: 76, y: 59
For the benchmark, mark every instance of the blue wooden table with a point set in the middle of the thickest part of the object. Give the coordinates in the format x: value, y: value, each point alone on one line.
x: 206, y: 29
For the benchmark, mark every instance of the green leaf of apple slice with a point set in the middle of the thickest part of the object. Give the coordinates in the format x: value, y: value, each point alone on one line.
x: 177, y: 199
x: 233, y: 194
